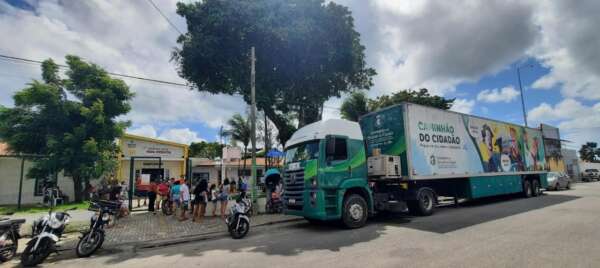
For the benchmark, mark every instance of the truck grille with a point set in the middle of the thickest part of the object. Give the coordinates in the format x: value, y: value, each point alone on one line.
x: 293, y: 185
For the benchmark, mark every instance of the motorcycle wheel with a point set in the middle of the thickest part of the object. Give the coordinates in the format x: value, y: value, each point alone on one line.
x: 166, y: 208
x: 241, y: 230
x: 31, y: 257
x: 87, y: 245
x: 7, y: 252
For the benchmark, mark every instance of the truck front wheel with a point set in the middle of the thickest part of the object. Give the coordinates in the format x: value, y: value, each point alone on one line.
x: 424, y: 204
x: 355, y: 211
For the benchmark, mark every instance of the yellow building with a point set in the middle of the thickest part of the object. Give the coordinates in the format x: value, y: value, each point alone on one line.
x: 153, y: 159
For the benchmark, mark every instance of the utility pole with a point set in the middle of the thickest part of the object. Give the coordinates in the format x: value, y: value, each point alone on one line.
x: 522, y: 97
x: 253, y: 122
x: 223, y: 147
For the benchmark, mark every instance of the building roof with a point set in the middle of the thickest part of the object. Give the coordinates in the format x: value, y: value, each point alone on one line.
x: 136, y: 137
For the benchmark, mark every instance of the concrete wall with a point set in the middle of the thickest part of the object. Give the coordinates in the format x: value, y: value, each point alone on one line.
x: 10, y: 172
x: 571, y: 163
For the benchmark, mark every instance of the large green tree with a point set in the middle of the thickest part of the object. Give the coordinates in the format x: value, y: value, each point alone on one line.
x: 307, y: 51
x: 357, y: 104
x: 76, y: 134
x: 203, y: 149
x: 589, y: 152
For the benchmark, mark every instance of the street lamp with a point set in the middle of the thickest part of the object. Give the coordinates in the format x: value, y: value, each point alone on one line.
x: 521, y: 89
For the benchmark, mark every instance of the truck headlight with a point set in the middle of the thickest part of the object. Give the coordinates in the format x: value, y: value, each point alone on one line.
x: 313, y: 199
x: 313, y: 181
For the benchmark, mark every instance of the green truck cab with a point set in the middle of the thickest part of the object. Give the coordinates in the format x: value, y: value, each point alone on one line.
x: 325, y: 173
x: 405, y: 156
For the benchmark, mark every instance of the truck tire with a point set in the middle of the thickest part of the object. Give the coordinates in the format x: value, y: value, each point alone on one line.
x: 355, y: 211
x: 424, y: 204
x: 535, y: 188
x: 526, y: 189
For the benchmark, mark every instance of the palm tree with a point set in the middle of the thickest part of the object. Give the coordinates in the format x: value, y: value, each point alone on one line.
x: 354, y: 106
x: 240, y: 130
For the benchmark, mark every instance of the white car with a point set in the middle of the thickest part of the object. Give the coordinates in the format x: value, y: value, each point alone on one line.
x: 558, y: 180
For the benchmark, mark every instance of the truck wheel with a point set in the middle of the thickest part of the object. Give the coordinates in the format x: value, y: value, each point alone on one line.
x: 355, y: 211
x: 424, y: 204
x: 536, y: 190
x: 526, y: 189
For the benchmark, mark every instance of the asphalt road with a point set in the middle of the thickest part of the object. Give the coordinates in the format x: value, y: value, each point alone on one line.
x: 559, y: 229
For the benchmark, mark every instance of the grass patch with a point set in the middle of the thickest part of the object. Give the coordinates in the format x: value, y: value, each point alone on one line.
x: 26, y: 209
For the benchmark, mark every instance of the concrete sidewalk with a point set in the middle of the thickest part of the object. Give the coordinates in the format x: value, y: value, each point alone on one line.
x: 149, y: 230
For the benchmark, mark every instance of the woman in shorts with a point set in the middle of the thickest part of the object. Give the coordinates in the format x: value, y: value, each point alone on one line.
x: 200, y: 198
x: 224, y: 197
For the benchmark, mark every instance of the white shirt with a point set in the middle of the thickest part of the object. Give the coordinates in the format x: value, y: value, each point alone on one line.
x: 184, y: 191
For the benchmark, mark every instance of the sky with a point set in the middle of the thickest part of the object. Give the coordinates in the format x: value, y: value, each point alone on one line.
x: 463, y: 49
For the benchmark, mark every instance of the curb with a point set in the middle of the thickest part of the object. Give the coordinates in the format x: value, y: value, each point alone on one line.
x: 194, y: 238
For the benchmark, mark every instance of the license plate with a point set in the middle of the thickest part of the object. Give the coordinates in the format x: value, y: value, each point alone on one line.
x: 292, y: 201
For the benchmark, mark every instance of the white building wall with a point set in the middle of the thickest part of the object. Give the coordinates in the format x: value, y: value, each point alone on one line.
x: 10, y: 174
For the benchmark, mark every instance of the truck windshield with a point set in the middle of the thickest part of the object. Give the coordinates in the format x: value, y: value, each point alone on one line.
x: 303, y: 151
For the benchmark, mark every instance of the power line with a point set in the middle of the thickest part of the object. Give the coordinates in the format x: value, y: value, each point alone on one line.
x: 165, y: 17
x: 30, y: 61
x: 13, y: 59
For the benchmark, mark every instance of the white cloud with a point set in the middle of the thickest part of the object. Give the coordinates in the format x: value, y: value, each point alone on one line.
x: 463, y: 106
x: 438, y: 44
x: 577, y: 122
x: 180, y: 135
x: 506, y: 94
x: 569, y: 47
x: 145, y: 130
x: 124, y: 37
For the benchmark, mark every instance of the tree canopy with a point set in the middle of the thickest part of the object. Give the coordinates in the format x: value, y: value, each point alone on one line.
x: 357, y: 104
x: 307, y: 51
x: 75, y: 135
x: 589, y: 152
x: 203, y: 149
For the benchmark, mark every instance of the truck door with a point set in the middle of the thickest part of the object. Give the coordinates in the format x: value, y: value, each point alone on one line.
x: 337, y: 166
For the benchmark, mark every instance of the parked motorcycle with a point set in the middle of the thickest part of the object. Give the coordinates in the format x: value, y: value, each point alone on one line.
x: 92, y: 239
x: 46, y: 232
x: 9, y: 238
x: 238, y: 221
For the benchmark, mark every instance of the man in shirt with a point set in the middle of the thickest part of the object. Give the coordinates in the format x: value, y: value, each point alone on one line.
x: 184, y: 193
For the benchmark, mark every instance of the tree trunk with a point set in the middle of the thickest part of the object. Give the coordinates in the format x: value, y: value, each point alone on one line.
x: 284, y: 128
x: 78, y: 188
x: 244, y: 158
x: 309, y: 114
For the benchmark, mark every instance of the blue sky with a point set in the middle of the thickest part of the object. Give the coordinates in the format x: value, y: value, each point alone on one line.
x: 468, y: 50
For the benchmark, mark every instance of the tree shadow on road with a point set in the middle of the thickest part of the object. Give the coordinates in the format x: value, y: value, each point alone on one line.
x: 296, y: 238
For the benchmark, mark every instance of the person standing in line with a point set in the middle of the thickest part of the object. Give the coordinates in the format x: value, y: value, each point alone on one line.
x: 185, y: 199
x: 200, y: 198
x: 214, y: 198
x: 163, y: 194
x: 224, y: 197
x: 152, y: 193
x: 175, y: 196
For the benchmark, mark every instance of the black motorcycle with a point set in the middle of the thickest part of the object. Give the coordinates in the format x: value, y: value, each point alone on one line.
x: 92, y: 239
x: 46, y: 232
x: 9, y: 238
